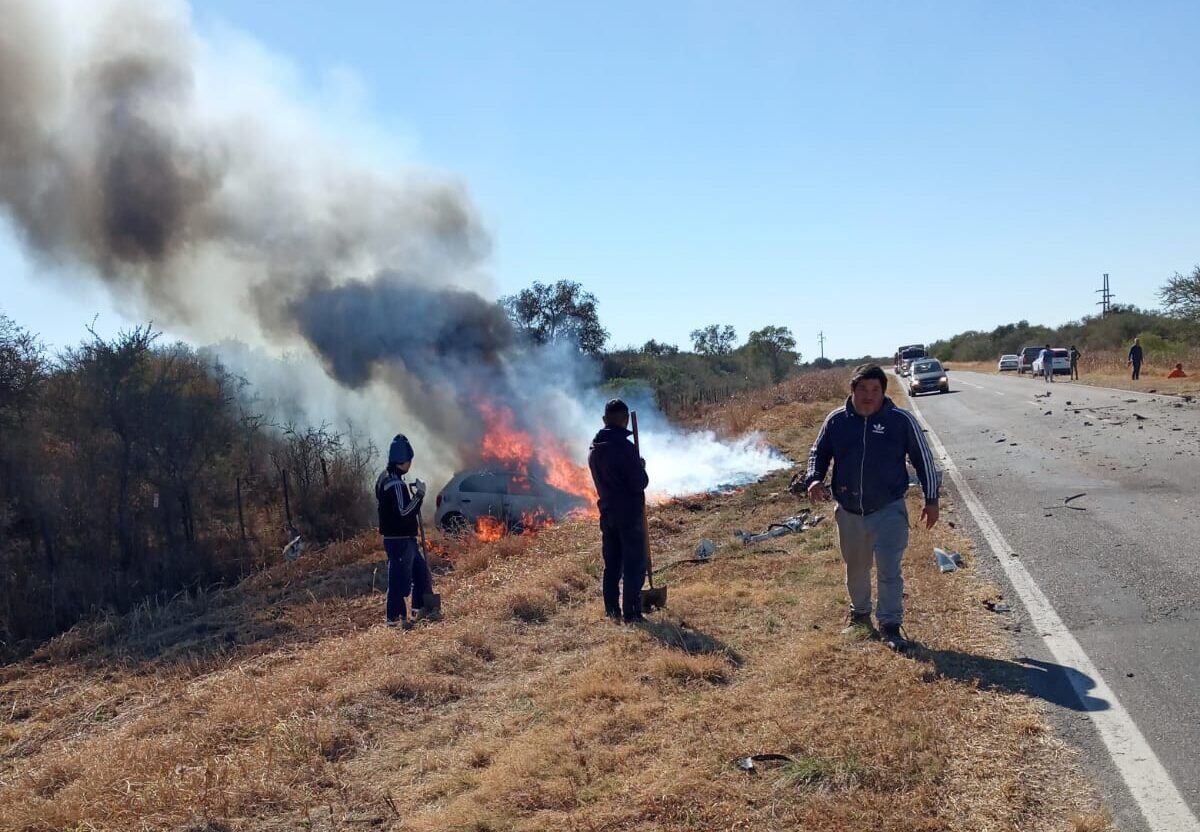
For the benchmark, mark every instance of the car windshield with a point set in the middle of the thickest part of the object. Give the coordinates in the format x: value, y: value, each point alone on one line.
x: 1059, y: 353
x: 927, y: 367
x: 1008, y: 358
x: 911, y: 354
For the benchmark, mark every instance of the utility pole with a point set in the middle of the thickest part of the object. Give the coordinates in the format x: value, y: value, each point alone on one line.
x: 1105, y: 302
x: 821, y: 341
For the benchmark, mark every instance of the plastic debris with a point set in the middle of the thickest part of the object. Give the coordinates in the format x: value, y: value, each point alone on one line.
x: 797, y: 523
x: 944, y: 561
x: 294, y: 548
x: 705, y: 549
x: 747, y: 764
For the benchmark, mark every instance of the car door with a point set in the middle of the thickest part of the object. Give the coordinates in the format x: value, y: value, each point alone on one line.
x: 525, y: 499
x: 482, y: 494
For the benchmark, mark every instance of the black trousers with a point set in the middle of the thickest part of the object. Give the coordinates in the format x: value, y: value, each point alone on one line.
x: 407, y: 571
x: 624, y: 544
x: 1137, y: 369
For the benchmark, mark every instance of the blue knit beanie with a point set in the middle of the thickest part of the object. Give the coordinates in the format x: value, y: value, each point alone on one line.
x: 401, y: 450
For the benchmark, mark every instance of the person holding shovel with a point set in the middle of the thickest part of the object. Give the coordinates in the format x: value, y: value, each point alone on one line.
x: 620, y: 478
x: 868, y: 440
x: 399, y: 524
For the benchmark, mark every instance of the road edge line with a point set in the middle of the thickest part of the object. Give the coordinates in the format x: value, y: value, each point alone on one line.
x: 1148, y: 782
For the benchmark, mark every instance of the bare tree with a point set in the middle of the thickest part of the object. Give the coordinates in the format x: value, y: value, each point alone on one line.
x: 1181, y: 295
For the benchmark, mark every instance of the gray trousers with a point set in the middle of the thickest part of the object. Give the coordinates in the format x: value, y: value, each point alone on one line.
x: 880, y: 538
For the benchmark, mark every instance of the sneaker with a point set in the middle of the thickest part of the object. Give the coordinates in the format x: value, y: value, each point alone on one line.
x: 859, y: 627
x: 402, y: 623
x: 614, y: 615
x: 893, y: 638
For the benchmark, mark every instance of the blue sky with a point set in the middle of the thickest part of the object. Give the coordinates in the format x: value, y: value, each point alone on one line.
x: 885, y: 172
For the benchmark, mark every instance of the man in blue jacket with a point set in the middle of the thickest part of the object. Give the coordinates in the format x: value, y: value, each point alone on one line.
x: 1135, y: 358
x: 620, y: 478
x: 868, y: 440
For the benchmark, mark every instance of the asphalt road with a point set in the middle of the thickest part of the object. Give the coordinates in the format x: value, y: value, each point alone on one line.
x: 1124, y: 575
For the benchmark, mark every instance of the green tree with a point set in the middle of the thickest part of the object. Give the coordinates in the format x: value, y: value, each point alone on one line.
x: 714, y: 339
x: 562, y: 311
x: 775, y: 347
x: 1181, y: 295
x: 659, y: 349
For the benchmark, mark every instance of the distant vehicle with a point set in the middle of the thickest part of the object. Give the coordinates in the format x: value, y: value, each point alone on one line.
x: 510, y: 497
x: 1026, y: 358
x: 905, y: 356
x: 1007, y: 362
x: 927, y: 375
x: 1060, y: 362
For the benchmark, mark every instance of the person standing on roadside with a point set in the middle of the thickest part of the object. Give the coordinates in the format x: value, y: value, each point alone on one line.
x: 1075, y: 353
x: 399, y: 518
x: 1046, y: 356
x: 1135, y: 358
x: 868, y: 440
x: 620, y: 478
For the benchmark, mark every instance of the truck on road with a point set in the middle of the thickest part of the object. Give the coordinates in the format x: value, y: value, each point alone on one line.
x: 906, y: 355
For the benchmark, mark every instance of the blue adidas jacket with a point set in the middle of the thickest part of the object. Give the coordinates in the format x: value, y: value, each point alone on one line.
x: 868, y: 454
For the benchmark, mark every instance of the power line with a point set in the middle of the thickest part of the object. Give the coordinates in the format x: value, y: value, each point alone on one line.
x: 821, y: 341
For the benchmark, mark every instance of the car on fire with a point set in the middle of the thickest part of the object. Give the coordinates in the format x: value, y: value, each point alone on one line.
x: 927, y: 375
x: 511, y: 499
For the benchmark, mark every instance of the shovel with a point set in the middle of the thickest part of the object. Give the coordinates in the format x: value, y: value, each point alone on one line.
x: 654, y: 597
x: 432, y: 602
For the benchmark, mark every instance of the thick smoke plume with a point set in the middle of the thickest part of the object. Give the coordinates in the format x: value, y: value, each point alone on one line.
x: 187, y: 177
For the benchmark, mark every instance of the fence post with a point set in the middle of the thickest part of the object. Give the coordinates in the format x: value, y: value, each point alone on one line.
x: 287, y: 503
x: 241, y: 518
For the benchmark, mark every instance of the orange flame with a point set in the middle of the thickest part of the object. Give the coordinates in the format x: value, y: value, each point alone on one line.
x: 515, y: 449
x: 489, y: 529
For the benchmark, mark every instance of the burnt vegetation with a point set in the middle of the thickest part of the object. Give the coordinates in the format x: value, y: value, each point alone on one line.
x: 131, y: 469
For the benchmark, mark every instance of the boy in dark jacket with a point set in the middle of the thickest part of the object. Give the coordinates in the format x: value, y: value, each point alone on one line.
x: 399, y: 512
x: 620, y: 478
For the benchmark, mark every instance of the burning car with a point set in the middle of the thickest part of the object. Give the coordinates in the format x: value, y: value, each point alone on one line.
x: 495, y: 501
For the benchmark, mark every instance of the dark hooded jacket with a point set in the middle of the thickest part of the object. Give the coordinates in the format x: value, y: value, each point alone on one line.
x: 869, y: 454
x: 619, y: 476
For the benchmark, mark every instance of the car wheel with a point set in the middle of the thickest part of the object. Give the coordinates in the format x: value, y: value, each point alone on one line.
x: 455, y: 523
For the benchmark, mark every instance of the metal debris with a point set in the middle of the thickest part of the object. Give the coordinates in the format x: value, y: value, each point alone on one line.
x: 797, y: 523
x: 944, y: 561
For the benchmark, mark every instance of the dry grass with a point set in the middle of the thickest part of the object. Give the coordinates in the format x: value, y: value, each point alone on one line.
x: 527, y: 710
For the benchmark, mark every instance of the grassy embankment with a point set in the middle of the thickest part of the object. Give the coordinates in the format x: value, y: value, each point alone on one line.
x: 284, y: 704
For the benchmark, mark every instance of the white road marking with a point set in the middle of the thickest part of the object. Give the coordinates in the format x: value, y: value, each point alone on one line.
x: 969, y: 384
x: 1155, y: 793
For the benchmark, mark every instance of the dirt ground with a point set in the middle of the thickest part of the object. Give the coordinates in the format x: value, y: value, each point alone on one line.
x: 285, y: 704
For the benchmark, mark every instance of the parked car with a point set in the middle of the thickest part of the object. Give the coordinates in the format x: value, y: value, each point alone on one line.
x: 1060, y: 362
x: 1026, y: 358
x: 927, y: 375
x: 508, y: 496
x: 1007, y: 362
